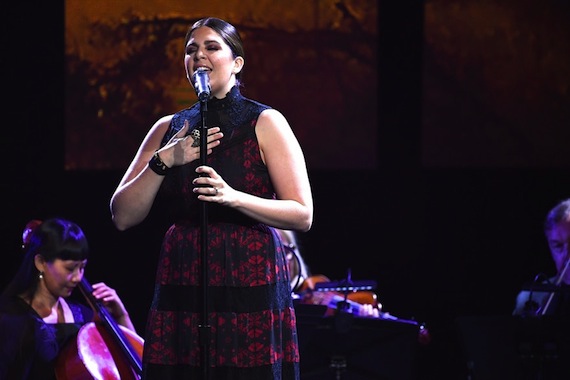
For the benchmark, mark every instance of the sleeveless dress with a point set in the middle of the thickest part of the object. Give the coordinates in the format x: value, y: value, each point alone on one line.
x: 251, y: 327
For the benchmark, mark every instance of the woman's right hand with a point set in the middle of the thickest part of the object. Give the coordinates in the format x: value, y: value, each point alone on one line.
x: 182, y: 149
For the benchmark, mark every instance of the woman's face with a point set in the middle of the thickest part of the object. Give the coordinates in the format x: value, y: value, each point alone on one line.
x: 60, y: 277
x: 207, y: 49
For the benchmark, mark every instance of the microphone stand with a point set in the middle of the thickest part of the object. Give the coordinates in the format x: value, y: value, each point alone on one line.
x: 204, y: 328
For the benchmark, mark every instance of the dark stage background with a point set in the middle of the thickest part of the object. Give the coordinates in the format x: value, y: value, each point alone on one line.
x: 446, y: 233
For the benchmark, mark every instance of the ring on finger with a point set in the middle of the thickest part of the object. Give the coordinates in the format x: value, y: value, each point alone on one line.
x: 215, y: 190
x: 195, y: 134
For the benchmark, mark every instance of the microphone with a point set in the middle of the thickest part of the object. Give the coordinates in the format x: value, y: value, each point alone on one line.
x: 201, y: 83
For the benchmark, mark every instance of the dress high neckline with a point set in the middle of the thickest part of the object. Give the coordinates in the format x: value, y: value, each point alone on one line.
x: 232, y: 95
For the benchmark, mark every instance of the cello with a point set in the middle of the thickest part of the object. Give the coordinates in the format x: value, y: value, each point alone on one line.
x: 102, y: 349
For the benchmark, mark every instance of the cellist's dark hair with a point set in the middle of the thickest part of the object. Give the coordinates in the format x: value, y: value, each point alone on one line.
x: 55, y: 238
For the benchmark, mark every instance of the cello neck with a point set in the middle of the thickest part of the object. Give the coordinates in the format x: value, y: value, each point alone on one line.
x: 87, y: 291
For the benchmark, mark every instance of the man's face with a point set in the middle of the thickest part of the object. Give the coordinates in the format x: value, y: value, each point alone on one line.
x: 559, y: 242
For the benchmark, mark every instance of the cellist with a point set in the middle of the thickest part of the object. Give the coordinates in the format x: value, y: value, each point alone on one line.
x: 37, y: 317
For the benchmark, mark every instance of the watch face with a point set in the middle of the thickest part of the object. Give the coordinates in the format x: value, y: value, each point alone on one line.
x: 160, y: 164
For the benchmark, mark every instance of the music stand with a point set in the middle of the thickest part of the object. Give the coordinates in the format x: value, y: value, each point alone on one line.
x: 345, y: 286
x: 354, y: 348
x: 512, y: 347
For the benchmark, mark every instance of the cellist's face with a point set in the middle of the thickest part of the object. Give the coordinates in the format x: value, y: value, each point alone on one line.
x: 60, y: 277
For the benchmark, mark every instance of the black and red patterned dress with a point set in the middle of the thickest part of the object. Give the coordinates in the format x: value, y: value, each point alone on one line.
x: 251, y: 321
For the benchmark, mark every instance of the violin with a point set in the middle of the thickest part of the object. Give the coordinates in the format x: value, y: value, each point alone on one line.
x: 361, y: 303
x: 102, y: 349
x: 544, y: 310
x: 355, y: 301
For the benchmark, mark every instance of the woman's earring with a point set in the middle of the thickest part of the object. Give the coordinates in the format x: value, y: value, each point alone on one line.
x: 41, y: 276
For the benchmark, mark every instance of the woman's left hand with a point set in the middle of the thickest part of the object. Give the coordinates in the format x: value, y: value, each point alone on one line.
x: 211, y: 187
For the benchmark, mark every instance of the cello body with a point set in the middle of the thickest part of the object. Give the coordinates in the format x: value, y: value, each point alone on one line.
x: 102, y: 349
x: 93, y: 355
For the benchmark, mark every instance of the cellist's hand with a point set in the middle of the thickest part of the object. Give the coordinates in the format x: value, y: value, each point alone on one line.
x: 109, y: 298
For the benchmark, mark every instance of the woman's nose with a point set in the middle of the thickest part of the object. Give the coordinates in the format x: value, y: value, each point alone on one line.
x: 77, y: 275
x: 199, y: 54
